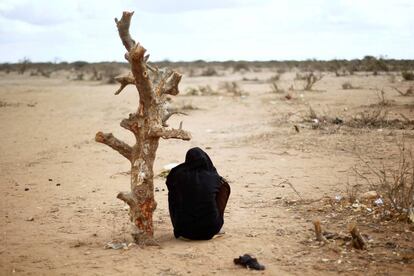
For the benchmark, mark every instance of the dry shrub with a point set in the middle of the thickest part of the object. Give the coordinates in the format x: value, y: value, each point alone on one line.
x: 209, y: 72
x: 6, y: 104
x: 250, y: 79
x: 96, y: 76
x: 232, y: 88
x: 40, y: 72
x: 241, y: 66
x: 381, y: 97
x: 352, y: 192
x: 300, y: 76
x: 371, y: 118
x: 79, y: 77
x: 275, y: 88
x: 281, y: 71
x: 320, y: 121
x: 200, y: 91
x: 347, y: 85
x: 407, y: 76
x: 274, y: 78
x: 394, y: 182
x: 309, y: 78
x: 109, y: 74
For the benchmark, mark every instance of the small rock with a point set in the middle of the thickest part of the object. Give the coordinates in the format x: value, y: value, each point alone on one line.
x: 116, y: 245
x: 57, y: 184
x: 369, y: 195
x: 50, y: 179
x: 26, y: 189
x: 30, y: 219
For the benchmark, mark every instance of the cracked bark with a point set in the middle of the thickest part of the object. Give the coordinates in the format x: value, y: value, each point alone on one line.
x: 148, y: 126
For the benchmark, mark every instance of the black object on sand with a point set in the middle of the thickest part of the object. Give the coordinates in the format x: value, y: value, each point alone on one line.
x: 247, y: 261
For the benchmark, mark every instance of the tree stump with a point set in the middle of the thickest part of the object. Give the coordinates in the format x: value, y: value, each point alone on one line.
x: 148, y: 124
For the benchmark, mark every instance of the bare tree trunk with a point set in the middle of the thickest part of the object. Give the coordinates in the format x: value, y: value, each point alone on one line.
x: 148, y: 125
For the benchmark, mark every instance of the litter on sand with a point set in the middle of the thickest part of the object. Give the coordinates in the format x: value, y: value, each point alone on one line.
x: 249, y: 262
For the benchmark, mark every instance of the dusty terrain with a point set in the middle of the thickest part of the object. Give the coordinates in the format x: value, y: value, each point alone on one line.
x: 58, y: 186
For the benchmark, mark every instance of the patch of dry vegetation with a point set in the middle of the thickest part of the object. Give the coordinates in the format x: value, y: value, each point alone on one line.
x: 233, y: 89
x: 201, y: 91
x: 394, y: 182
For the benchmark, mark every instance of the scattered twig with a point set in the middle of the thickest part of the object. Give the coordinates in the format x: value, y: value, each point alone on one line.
x: 291, y: 186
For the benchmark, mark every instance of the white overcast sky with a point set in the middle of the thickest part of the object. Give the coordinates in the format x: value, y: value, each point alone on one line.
x: 70, y: 30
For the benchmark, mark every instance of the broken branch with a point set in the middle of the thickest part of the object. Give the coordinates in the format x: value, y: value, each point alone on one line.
x: 126, y: 197
x: 123, y: 29
x: 167, y: 133
x: 166, y: 117
x: 110, y: 140
x: 171, y: 87
x: 124, y: 80
x: 139, y: 70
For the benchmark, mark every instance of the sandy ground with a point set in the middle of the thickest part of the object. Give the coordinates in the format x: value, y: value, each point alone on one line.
x: 58, y: 186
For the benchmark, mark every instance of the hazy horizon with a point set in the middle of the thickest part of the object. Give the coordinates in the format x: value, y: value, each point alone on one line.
x: 245, y: 30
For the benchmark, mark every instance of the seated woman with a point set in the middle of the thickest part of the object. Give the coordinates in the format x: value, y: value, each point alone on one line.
x: 197, y: 197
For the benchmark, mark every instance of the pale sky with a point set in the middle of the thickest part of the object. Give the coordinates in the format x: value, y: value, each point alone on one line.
x: 70, y: 30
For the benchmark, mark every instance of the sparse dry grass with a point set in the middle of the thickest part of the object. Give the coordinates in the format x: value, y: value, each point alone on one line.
x: 201, y: 91
x: 395, y: 183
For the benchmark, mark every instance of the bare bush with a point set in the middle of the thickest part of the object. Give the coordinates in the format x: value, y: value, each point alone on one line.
x: 275, y: 88
x: 209, y: 72
x: 310, y: 79
x: 40, y: 72
x: 395, y: 183
x: 250, y: 79
x: 370, y: 118
x: 348, y: 86
x: 241, y: 66
x: 274, y: 78
x: 24, y: 65
x: 382, y: 99
x: 232, y: 88
x: 201, y: 91
x: 96, y: 76
x: 407, y: 76
x: 281, y: 71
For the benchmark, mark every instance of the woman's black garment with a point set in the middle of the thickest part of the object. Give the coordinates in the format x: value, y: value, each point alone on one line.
x: 193, y: 188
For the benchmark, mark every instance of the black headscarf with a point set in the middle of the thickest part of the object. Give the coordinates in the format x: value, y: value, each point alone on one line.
x: 193, y: 187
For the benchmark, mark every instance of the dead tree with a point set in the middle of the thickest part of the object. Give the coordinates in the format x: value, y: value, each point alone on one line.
x: 148, y: 125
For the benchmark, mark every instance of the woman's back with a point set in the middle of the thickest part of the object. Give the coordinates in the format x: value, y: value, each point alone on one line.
x: 193, y: 187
